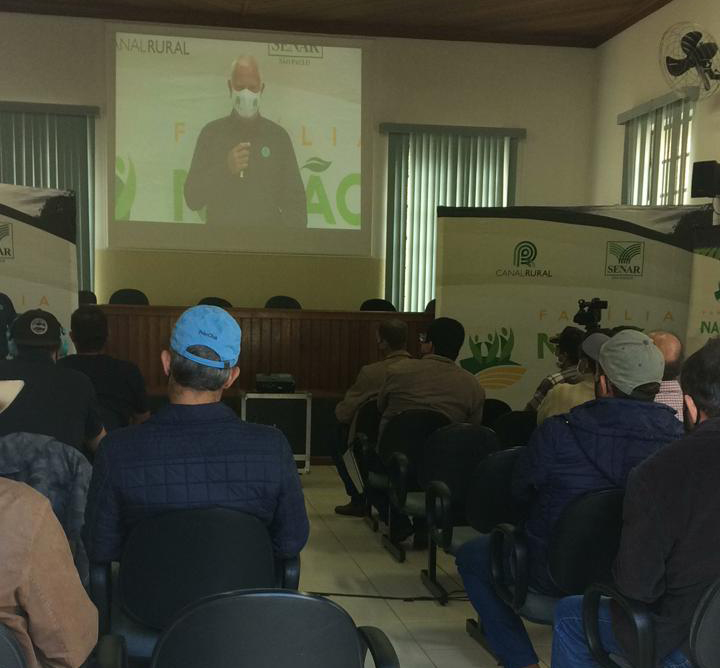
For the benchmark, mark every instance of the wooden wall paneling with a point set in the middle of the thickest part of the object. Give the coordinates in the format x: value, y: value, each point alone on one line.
x: 322, y: 350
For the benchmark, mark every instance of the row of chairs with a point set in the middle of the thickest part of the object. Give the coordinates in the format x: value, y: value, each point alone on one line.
x: 201, y: 588
x: 458, y: 479
x: 133, y: 297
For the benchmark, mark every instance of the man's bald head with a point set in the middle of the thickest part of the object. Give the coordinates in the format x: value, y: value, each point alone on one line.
x: 245, y: 73
x: 672, y: 350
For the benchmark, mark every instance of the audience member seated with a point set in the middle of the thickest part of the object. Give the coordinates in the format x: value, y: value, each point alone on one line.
x: 567, y: 346
x: 41, y: 598
x: 434, y: 382
x: 564, y: 397
x: 119, y: 385
x: 595, y: 446
x: 392, y: 343
x: 668, y: 553
x: 195, y: 452
x: 670, y: 392
x: 86, y: 297
x: 7, y: 315
x: 53, y: 401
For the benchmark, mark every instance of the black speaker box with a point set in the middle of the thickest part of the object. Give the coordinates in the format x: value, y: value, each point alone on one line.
x: 705, y: 179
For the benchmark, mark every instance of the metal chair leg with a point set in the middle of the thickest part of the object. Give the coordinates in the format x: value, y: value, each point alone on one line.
x: 429, y: 577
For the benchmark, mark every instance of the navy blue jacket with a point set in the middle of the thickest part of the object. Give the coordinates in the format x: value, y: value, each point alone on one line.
x: 595, y: 446
x: 193, y: 457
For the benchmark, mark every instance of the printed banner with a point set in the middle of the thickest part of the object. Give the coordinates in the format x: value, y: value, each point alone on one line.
x: 515, y: 282
x: 38, y: 264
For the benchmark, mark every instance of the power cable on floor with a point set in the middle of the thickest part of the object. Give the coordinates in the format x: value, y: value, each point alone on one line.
x: 404, y: 599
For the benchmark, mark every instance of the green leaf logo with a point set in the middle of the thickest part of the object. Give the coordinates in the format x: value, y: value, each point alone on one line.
x: 317, y: 164
x: 125, y: 187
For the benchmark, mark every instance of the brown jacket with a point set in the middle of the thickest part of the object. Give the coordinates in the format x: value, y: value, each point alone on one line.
x: 368, y: 383
x: 41, y: 598
x: 433, y: 382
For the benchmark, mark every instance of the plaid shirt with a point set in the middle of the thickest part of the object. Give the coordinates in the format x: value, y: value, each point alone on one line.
x: 671, y: 395
x: 569, y: 375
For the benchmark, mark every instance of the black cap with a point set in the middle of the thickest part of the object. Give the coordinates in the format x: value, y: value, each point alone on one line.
x: 36, y: 328
x: 569, y: 339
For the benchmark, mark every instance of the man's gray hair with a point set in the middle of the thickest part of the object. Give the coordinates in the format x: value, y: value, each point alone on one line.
x: 245, y: 60
x: 196, y: 376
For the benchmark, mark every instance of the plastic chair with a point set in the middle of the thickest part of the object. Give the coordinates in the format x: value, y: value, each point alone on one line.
x: 270, y: 629
x: 515, y: 428
x: 405, y: 433
x: 704, y: 638
x: 86, y: 297
x: 282, y: 301
x: 11, y: 655
x: 581, y: 551
x: 452, y: 453
x: 492, y: 410
x: 129, y: 297
x: 377, y: 305
x: 172, y: 560
x: 215, y: 301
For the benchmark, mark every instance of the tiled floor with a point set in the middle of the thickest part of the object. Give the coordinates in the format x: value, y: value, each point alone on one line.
x: 344, y: 556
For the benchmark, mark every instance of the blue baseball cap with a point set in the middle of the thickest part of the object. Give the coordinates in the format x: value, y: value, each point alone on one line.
x: 208, y: 326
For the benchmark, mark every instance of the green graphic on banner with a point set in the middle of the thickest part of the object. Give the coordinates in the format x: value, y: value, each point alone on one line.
x: 624, y: 253
x: 125, y: 187
x: 491, y: 360
x: 317, y: 198
x: 525, y: 254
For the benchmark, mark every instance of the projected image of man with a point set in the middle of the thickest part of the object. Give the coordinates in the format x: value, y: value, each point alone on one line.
x: 244, y: 168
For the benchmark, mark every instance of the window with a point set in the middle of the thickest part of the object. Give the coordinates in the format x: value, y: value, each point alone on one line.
x: 49, y: 146
x: 430, y: 166
x: 657, y: 155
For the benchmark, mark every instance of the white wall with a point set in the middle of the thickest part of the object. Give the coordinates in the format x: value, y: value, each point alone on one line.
x: 629, y: 74
x: 548, y: 91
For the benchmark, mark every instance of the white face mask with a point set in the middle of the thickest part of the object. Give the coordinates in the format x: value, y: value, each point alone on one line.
x: 245, y: 102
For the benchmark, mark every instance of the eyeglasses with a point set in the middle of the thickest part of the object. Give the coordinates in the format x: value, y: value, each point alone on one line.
x: 423, y: 337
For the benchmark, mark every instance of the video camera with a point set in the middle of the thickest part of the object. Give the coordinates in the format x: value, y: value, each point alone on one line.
x: 589, y: 313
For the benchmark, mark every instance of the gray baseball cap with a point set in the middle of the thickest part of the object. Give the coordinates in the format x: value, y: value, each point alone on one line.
x: 593, y: 343
x: 630, y: 359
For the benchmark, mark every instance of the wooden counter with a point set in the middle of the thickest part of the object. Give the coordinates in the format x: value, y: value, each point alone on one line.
x: 323, y: 350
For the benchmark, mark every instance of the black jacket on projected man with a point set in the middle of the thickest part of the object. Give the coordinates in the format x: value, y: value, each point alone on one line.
x: 244, y: 168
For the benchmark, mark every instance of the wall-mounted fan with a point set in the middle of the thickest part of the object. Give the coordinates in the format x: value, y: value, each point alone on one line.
x: 689, y: 58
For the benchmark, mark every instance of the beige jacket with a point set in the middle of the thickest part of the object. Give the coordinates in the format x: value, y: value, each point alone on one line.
x: 41, y: 598
x: 368, y: 383
x: 563, y: 398
x: 433, y: 382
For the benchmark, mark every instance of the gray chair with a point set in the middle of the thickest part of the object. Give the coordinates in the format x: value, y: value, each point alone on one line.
x: 270, y: 629
x: 129, y: 297
x: 175, y: 559
x: 704, y: 636
x: 11, y: 655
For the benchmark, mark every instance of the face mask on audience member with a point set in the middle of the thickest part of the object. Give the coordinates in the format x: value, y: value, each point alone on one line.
x: 246, y: 102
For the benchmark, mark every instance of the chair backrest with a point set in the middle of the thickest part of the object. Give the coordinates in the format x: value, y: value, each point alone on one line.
x: 129, y: 296
x: 585, y: 540
x: 262, y: 629
x: 492, y: 410
x: 283, y: 301
x: 377, y: 305
x: 704, y: 636
x: 215, y: 301
x: 452, y: 453
x: 367, y: 420
x: 177, y: 558
x: 489, y: 499
x: 515, y: 428
x: 407, y: 432
x: 11, y: 655
x: 86, y: 297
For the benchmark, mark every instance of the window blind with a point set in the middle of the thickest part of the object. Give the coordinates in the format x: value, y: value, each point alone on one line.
x: 657, y: 155
x: 429, y: 169
x: 54, y: 150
